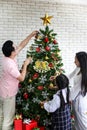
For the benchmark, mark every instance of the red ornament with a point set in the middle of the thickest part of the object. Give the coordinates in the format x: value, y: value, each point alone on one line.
x: 25, y: 95
x: 46, y: 39
x: 19, y: 85
x: 50, y: 65
x: 38, y: 49
x: 54, y: 41
x: 40, y: 87
x: 35, y: 76
x: 47, y: 48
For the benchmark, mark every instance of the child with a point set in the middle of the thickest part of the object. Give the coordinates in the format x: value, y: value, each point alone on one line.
x: 59, y: 105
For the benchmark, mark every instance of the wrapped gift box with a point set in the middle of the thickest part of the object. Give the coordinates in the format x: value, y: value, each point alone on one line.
x: 18, y: 124
x: 30, y: 125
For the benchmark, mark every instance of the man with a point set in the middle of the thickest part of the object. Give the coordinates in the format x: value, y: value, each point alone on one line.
x: 10, y: 79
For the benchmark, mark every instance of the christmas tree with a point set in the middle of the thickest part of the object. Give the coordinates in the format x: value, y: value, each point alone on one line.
x: 38, y: 85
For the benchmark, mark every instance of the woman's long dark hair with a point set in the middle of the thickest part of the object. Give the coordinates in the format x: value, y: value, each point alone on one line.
x: 63, y: 82
x: 82, y: 58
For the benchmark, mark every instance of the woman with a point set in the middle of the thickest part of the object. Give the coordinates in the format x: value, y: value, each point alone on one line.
x: 79, y: 91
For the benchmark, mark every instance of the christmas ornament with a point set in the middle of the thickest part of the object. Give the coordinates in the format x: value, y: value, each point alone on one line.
x: 41, y: 66
x: 54, y: 41
x: 42, y: 79
x: 19, y: 85
x: 51, y: 85
x: 46, y: 58
x: 46, y: 39
x: 30, y: 80
x: 35, y: 76
x: 36, y: 100
x: 45, y: 94
x: 38, y: 49
x: 40, y: 87
x: 47, y: 48
x: 46, y: 19
x: 25, y: 95
x: 50, y: 65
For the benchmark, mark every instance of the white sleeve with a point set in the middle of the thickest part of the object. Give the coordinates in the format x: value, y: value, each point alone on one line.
x: 71, y: 75
x: 53, y: 105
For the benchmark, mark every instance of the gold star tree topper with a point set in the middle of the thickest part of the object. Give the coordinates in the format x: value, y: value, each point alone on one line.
x: 46, y: 19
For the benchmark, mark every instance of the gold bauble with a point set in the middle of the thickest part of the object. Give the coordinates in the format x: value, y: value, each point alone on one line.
x: 30, y: 80
x: 46, y: 58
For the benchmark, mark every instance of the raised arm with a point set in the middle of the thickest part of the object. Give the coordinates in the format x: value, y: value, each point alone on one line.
x: 25, y: 41
x: 75, y: 72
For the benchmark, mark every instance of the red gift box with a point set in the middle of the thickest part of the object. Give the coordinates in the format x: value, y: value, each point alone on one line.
x: 30, y: 126
x: 18, y: 124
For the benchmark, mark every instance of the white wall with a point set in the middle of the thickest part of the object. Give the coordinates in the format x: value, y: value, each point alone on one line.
x: 76, y: 2
x: 20, y: 17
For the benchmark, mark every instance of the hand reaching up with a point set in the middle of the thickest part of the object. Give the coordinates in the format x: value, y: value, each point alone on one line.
x: 28, y: 61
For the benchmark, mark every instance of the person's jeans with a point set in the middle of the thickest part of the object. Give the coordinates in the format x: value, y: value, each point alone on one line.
x: 7, y: 112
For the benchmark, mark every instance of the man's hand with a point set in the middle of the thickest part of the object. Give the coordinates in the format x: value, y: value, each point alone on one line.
x: 28, y: 61
x: 25, y: 41
x: 24, y: 69
x: 34, y: 33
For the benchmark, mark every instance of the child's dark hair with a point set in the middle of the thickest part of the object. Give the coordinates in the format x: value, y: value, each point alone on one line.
x: 63, y: 82
x: 7, y: 48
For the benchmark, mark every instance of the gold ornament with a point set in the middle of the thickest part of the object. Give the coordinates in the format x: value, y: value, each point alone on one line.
x: 31, y: 47
x: 58, y: 53
x: 30, y: 80
x: 51, y: 85
x: 46, y: 58
x: 42, y: 107
x: 46, y: 19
